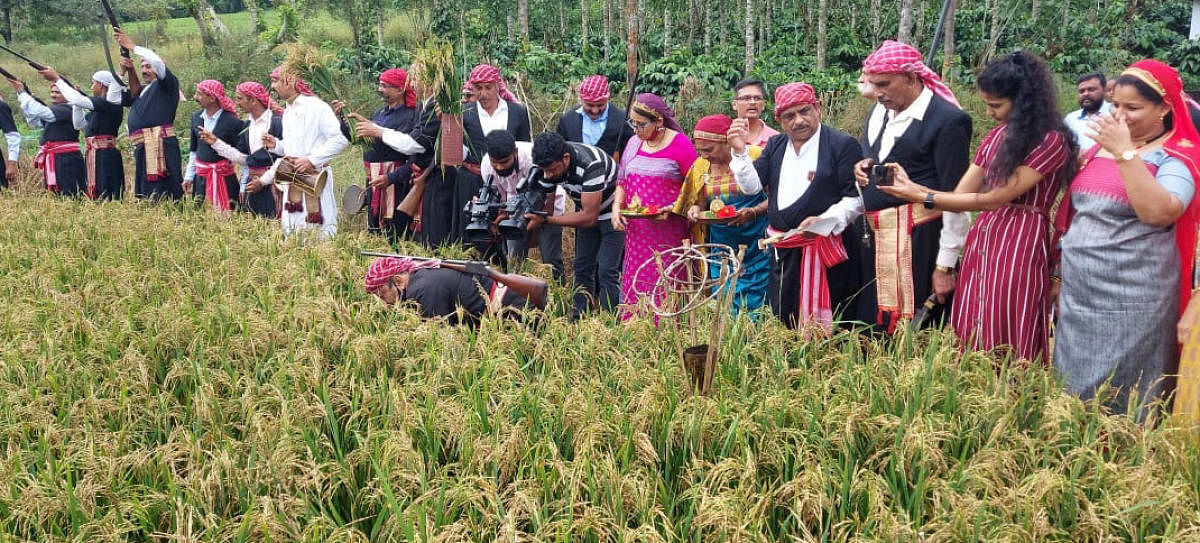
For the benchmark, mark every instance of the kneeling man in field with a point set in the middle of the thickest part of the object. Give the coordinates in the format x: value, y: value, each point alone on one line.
x: 460, y: 292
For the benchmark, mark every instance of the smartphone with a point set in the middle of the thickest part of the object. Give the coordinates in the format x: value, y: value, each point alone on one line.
x: 883, y: 175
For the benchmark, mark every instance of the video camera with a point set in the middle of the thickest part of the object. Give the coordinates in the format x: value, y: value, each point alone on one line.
x: 483, y: 211
x: 528, y: 199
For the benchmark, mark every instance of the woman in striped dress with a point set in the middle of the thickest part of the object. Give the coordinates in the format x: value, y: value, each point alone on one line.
x: 1001, y: 295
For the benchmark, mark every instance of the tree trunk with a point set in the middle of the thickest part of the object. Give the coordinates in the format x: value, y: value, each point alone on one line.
x: 948, y: 38
x: 523, y: 19
x: 252, y: 7
x: 692, y: 24
x: 583, y: 22
x: 918, y: 32
x: 707, y: 26
x: 562, y: 22
x: 632, y: 18
x: 607, y: 21
x: 379, y: 22
x: 509, y: 23
x: 993, y: 35
x: 904, y: 32
x: 212, y: 30
x: 876, y: 22
x: 666, y: 21
x: 822, y: 19
x: 749, y: 24
x: 1034, y: 9
x: 724, y: 35
x: 6, y: 30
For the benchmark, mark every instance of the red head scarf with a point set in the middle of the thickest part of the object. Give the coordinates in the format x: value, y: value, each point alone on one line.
x: 255, y: 90
x: 712, y: 128
x: 383, y: 269
x: 300, y: 84
x: 1181, y: 143
x: 486, y: 73
x: 792, y: 95
x: 594, y: 89
x: 398, y: 78
x: 215, y: 89
x: 894, y: 57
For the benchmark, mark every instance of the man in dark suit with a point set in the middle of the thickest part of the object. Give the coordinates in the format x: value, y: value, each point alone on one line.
x: 808, y: 174
x: 210, y: 176
x: 495, y: 108
x: 596, y: 122
x: 922, y: 128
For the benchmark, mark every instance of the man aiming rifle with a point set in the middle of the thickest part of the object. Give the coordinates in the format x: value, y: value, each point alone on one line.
x: 460, y: 291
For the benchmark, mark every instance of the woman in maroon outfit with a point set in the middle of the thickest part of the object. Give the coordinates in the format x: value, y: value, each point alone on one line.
x: 1002, y: 291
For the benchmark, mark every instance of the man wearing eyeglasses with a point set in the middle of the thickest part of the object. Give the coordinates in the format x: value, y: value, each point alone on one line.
x: 749, y: 101
x: 596, y: 122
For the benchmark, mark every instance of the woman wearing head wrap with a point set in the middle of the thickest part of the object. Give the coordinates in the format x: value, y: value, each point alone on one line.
x: 212, y: 176
x: 1127, y: 253
x: 711, y: 184
x: 1004, y: 280
x: 651, y: 173
x: 105, y: 167
x: 58, y: 156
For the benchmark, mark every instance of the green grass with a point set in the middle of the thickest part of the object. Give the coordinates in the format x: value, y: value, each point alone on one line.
x: 164, y: 374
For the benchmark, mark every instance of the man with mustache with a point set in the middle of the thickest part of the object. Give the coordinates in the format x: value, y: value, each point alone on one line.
x: 152, y: 106
x: 58, y: 157
x: 389, y: 174
x: 1091, y: 91
x: 749, y: 101
x: 509, y: 162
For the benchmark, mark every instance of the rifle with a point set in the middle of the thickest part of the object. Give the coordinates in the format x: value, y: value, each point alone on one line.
x: 9, y: 75
x: 535, y: 290
x: 108, y: 56
x: 112, y: 21
x: 39, y: 67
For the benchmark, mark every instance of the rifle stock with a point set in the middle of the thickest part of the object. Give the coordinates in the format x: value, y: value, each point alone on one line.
x: 533, y: 289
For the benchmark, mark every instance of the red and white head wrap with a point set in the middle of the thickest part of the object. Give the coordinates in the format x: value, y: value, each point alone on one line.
x: 300, y: 84
x: 384, y: 269
x: 255, y: 90
x: 486, y: 73
x: 894, y: 57
x: 594, y: 89
x: 792, y: 95
x: 214, y: 88
x: 395, y: 77
x: 712, y: 128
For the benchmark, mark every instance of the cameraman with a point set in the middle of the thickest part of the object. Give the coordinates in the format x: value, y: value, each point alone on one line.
x: 509, y: 162
x: 589, y: 177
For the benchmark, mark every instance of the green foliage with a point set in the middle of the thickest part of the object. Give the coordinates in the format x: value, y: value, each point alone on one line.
x: 1185, y: 57
x: 370, y: 58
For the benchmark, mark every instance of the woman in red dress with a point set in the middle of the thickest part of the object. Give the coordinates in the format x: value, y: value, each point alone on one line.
x: 1002, y: 292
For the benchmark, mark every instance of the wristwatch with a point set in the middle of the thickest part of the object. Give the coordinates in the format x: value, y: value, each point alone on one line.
x: 944, y: 269
x: 1127, y: 155
x: 929, y: 200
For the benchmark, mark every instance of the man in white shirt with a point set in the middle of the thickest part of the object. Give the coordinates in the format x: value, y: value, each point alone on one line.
x: 312, y: 136
x: 921, y: 127
x: 1091, y: 92
x: 809, y: 183
x: 508, y: 163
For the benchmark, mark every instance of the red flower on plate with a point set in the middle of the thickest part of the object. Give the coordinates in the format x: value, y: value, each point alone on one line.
x: 727, y: 212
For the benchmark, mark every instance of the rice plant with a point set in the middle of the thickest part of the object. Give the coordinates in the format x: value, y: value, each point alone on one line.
x: 167, y: 376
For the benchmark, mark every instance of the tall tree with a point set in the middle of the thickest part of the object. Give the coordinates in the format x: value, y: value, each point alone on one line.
x: 379, y: 22
x: 212, y: 31
x: 876, y: 22
x: 6, y: 8
x: 523, y: 19
x: 608, y: 29
x: 904, y: 32
x: 707, y: 26
x: 666, y: 21
x: 632, y: 19
x: 255, y: 22
x: 749, y: 25
x: 948, y: 39
x: 822, y: 19
x: 583, y: 21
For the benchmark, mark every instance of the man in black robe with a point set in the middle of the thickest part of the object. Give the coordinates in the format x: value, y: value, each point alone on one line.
x: 807, y: 172
x: 209, y: 175
x: 263, y: 120
x: 389, y: 175
x: 158, y: 171
x: 105, y: 165
x: 459, y: 297
x: 59, y: 156
x: 8, y: 125
x: 922, y: 128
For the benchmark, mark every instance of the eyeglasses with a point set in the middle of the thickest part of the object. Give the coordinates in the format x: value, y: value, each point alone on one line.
x: 749, y: 99
x: 636, y: 125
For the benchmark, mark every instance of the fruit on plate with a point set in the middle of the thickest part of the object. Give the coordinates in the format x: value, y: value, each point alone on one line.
x: 634, y: 207
x: 720, y: 210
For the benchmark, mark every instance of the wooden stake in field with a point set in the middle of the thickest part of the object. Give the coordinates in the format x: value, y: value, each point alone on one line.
x: 685, y: 287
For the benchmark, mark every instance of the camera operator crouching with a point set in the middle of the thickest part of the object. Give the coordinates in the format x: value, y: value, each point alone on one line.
x: 508, y: 164
x: 589, y: 177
